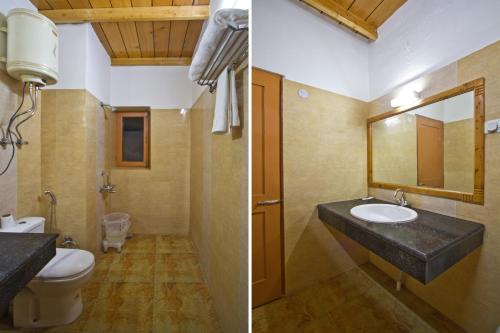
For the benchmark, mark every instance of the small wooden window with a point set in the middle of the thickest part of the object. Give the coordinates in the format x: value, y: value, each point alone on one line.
x: 132, y: 138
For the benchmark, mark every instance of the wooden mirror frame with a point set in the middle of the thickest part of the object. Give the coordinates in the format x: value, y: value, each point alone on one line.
x: 477, y: 195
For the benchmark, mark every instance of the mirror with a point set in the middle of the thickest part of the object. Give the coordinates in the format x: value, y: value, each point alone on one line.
x: 433, y: 147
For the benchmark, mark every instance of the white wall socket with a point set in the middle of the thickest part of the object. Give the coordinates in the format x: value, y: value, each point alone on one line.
x: 492, y: 126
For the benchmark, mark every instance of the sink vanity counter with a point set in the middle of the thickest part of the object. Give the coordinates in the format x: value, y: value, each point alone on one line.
x: 22, y: 256
x: 423, y: 248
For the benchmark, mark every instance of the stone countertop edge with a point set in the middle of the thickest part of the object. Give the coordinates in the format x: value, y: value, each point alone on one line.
x: 18, y: 277
x: 434, y: 262
x: 422, y: 255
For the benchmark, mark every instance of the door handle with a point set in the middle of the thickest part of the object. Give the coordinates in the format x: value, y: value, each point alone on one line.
x: 269, y: 202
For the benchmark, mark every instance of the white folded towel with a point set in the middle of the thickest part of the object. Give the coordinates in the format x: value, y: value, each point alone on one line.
x: 215, y: 28
x: 221, y: 98
x: 233, y: 112
x: 226, y: 113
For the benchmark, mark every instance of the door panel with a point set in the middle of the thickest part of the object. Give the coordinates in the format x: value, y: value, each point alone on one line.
x: 267, y: 255
x: 430, y: 152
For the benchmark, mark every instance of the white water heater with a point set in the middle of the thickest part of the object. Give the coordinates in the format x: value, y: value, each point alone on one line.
x: 32, y: 47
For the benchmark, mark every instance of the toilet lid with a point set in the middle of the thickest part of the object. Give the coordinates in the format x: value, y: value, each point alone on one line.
x: 67, y: 263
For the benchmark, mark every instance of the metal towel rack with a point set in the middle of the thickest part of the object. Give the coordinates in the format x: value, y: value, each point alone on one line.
x: 230, y: 51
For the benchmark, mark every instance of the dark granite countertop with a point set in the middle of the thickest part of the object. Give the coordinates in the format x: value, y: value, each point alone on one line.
x: 22, y: 256
x: 423, y: 248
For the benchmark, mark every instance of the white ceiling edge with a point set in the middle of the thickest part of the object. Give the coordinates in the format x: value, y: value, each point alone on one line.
x: 423, y: 36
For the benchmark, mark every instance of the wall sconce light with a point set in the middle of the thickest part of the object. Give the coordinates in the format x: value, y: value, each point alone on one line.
x: 404, y: 98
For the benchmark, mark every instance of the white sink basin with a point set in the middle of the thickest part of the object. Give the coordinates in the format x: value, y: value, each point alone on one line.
x: 384, y: 213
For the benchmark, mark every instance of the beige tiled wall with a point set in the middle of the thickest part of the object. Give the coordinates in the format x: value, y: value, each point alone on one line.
x: 30, y: 201
x: 324, y: 160
x: 70, y: 162
x: 10, y: 90
x: 157, y: 198
x: 218, y: 208
x: 468, y: 292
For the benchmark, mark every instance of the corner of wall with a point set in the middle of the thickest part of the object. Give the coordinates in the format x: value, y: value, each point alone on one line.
x: 98, y: 67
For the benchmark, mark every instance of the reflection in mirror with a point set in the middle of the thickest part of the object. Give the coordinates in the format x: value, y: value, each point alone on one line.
x: 431, y: 146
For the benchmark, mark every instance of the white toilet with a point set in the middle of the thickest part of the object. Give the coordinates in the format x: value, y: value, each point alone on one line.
x: 53, y: 297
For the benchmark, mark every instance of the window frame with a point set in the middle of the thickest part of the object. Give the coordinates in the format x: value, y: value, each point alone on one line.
x: 132, y: 113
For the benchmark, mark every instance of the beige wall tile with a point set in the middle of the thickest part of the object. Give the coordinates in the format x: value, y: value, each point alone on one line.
x: 10, y: 90
x: 218, y: 208
x: 324, y: 159
x: 157, y: 198
x: 72, y: 156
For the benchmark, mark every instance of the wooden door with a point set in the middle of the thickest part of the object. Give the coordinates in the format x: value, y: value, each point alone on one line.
x: 267, y: 240
x: 430, y: 152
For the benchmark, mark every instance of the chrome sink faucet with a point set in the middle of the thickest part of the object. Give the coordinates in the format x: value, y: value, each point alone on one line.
x: 400, y: 197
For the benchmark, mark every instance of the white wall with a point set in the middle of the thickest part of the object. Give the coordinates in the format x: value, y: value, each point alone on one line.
x: 72, y: 56
x: 218, y: 4
x: 98, y: 76
x: 6, y: 5
x: 424, y: 35
x: 294, y: 41
x: 83, y: 62
x: 157, y: 87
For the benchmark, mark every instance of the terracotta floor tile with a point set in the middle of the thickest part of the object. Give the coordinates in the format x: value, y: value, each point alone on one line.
x: 183, y: 307
x: 350, y: 302
x: 122, y: 307
x: 101, y: 322
x: 177, y: 268
x: 132, y: 267
x: 133, y: 321
x: 122, y: 295
x: 173, y: 244
x: 101, y: 267
x: 140, y: 244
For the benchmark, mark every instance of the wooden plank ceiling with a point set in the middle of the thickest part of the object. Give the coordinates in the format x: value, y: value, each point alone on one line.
x: 361, y: 16
x: 133, y: 41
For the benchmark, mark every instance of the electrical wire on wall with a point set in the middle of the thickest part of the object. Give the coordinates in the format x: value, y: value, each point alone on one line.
x: 10, y: 133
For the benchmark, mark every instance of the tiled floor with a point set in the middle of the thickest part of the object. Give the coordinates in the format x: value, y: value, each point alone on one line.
x: 350, y: 302
x: 154, y: 285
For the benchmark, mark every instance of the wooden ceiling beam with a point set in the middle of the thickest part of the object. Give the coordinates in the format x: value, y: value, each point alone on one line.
x: 127, y: 14
x: 343, y: 16
x: 155, y: 61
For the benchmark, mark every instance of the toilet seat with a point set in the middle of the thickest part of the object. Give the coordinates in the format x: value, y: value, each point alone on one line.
x: 68, y: 264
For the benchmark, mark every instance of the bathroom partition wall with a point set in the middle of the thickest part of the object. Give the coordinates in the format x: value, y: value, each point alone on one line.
x: 219, y: 207
x: 72, y: 156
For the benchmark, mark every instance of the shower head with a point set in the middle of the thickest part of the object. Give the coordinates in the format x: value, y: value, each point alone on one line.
x: 53, y: 199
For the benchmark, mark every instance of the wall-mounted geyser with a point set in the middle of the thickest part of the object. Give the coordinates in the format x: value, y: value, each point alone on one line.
x: 29, y: 52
